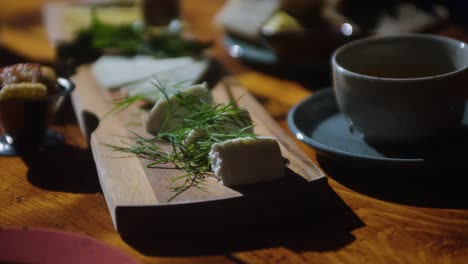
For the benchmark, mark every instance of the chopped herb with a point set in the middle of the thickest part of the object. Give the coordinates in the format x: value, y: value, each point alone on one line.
x: 126, y: 39
x: 213, y: 123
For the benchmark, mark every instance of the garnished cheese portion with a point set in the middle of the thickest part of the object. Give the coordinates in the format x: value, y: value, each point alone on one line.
x: 178, y: 78
x: 116, y: 71
x: 159, y: 118
x: 228, y: 125
x: 247, y: 160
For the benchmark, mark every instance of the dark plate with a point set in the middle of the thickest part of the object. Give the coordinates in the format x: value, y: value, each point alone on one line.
x: 256, y: 54
x: 318, y: 122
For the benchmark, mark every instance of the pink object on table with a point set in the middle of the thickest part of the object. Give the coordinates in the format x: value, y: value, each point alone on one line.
x: 37, y: 245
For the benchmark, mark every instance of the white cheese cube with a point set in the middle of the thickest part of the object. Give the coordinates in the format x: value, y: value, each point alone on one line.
x: 167, y: 113
x: 247, y: 160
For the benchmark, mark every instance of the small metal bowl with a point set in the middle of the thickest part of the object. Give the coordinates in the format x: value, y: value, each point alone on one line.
x: 24, y: 123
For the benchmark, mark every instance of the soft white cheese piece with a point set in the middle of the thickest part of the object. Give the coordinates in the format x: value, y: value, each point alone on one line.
x: 245, y: 18
x: 157, y: 118
x: 407, y: 18
x: 247, y: 160
x: 116, y: 71
x: 178, y: 78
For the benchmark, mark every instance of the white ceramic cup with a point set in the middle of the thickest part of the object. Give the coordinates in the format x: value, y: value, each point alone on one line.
x: 402, y: 89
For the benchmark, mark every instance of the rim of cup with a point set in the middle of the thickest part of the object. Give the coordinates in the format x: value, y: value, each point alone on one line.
x: 377, y: 39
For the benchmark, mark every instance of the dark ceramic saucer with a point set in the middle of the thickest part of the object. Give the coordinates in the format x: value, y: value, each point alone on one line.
x: 264, y: 56
x: 318, y: 122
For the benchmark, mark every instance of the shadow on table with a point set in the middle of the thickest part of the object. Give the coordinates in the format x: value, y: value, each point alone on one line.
x: 68, y: 169
x: 429, y: 186
x: 326, y: 228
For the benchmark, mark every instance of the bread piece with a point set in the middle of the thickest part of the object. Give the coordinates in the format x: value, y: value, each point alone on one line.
x: 27, y: 81
x: 23, y: 91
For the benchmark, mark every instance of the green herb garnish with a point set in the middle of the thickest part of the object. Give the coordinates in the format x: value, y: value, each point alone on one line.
x: 205, y: 123
x: 126, y: 39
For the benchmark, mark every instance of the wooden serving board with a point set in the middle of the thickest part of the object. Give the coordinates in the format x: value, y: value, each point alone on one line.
x: 139, y: 198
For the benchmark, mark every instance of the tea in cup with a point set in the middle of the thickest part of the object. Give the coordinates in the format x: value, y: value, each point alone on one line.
x: 402, y: 89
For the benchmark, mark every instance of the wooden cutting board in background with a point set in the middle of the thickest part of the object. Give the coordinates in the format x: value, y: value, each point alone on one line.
x: 139, y: 198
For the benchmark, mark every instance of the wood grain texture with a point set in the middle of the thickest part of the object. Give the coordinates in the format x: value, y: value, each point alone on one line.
x: 390, y: 215
x: 140, y: 199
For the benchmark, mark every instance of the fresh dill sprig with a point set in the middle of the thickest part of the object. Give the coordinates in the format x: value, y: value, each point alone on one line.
x: 122, y: 104
x: 201, y: 125
x: 125, y: 39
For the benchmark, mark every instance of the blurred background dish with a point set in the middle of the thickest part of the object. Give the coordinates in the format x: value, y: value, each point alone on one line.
x: 259, y: 55
x: 307, y: 36
x: 300, y: 32
x: 83, y: 33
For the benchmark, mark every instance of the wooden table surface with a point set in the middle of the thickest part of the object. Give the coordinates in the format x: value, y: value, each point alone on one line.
x: 377, y: 215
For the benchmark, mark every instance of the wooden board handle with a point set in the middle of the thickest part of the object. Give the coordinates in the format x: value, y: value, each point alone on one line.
x: 90, y: 104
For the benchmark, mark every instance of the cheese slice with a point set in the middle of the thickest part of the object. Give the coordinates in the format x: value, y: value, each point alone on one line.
x: 247, y: 160
x: 116, y: 71
x: 159, y: 118
x: 178, y: 78
x: 245, y: 18
x: 224, y: 127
